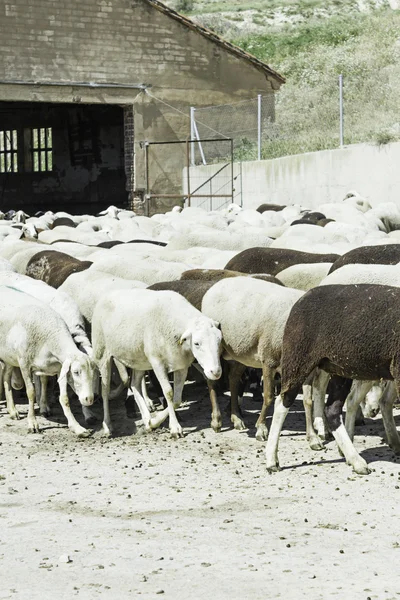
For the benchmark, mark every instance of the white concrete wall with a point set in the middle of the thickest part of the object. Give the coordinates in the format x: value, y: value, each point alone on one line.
x: 316, y: 177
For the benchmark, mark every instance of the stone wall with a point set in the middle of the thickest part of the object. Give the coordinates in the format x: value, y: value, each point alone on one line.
x: 317, y: 177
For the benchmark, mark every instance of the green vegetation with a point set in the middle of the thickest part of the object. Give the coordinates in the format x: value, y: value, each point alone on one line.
x: 323, y: 40
x: 184, y: 6
x: 365, y: 48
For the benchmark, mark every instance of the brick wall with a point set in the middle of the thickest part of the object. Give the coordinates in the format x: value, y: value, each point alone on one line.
x: 126, y: 42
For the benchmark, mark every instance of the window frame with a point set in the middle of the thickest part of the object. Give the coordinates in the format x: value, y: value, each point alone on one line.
x: 9, y: 148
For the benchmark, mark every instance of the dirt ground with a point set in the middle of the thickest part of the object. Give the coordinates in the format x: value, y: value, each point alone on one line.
x: 198, y: 518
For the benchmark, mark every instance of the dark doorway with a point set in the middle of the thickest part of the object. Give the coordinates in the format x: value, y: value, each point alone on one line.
x: 61, y: 157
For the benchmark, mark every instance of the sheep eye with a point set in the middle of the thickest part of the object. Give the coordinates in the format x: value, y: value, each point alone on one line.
x: 197, y: 345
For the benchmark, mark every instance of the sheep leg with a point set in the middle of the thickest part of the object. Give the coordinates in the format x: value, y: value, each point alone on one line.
x: 123, y: 374
x: 148, y: 421
x: 33, y: 426
x: 44, y: 408
x: 179, y: 382
x: 370, y: 405
x: 333, y: 412
x: 268, y: 396
x: 313, y: 440
x: 281, y: 409
x: 320, y: 383
x: 105, y: 374
x: 1, y: 380
x: 73, y: 424
x: 216, y: 419
x: 147, y: 399
x: 162, y: 376
x: 358, y: 391
x: 235, y: 372
x: 7, y: 374
x: 386, y: 403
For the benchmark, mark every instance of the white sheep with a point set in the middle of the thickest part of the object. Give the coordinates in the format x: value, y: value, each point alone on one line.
x: 34, y: 338
x: 87, y: 287
x: 149, y: 271
x: 252, y: 314
x: 304, y: 276
x: 360, y: 273
x: 222, y: 240
x: 162, y: 331
x: 6, y: 266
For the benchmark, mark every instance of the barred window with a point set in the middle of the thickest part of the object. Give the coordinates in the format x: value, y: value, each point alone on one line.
x: 42, y: 149
x: 8, y: 151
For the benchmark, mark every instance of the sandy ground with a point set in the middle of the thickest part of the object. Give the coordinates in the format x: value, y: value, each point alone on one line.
x: 199, y: 518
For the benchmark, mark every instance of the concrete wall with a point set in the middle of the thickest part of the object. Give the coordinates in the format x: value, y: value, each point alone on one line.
x: 317, y: 177
x: 128, y: 43
x: 88, y: 158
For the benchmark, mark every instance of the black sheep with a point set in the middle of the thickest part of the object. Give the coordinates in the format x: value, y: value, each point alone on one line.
x: 218, y: 274
x: 275, y: 207
x: 351, y: 332
x: 54, y: 267
x: 274, y: 260
x: 386, y: 254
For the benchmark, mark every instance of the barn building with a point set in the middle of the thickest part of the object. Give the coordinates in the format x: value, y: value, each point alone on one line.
x: 84, y: 84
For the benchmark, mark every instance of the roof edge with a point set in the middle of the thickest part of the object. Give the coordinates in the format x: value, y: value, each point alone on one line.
x: 210, y: 35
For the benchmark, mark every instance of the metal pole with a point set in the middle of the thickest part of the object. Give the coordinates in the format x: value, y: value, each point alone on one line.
x: 192, y: 135
x: 147, y: 196
x: 188, y: 170
x: 232, y: 174
x: 196, y: 131
x: 341, y: 133
x: 259, y: 102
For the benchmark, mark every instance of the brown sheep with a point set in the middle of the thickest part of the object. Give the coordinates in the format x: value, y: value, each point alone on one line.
x: 274, y: 260
x: 386, y: 254
x: 275, y: 207
x: 218, y: 274
x: 54, y: 267
x: 351, y: 332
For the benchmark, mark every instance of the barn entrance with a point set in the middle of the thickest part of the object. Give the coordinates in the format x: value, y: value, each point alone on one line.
x: 61, y: 157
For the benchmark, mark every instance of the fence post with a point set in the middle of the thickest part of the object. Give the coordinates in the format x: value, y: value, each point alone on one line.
x: 341, y: 132
x: 259, y: 103
x: 192, y: 135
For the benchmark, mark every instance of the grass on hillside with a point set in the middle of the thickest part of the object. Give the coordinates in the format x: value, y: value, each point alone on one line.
x: 365, y: 48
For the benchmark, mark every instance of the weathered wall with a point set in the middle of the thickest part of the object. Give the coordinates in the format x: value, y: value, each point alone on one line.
x: 316, y: 177
x: 126, y: 42
x: 88, y: 171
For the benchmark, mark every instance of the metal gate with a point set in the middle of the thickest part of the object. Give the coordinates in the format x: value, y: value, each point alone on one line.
x: 190, y: 173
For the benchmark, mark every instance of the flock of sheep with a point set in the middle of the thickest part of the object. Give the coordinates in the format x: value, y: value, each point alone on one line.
x: 309, y: 300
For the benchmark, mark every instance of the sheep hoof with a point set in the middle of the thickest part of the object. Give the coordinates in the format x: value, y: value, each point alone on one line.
x: 177, y: 434
x: 15, y: 415
x: 315, y: 443
x: 34, y: 428
x: 85, y: 433
x: 273, y: 468
x: 238, y: 423
x: 107, y: 431
x: 262, y: 433
x: 360, y: 467
x: 46, y: 412
x: 216, y: 425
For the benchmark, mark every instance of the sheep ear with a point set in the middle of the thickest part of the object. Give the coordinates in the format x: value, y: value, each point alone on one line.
x: 184, y: 337
x: 64, y: 370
